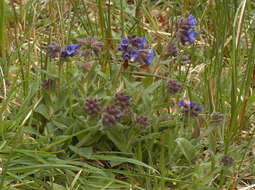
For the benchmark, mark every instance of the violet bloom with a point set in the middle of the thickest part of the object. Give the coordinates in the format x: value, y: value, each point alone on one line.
x: 136, y: 49
x: 192, y: 36
x: 191, y: 109
x: 119, y: 116
x: 134, y: 54
x: 191, y: 21
x: 141, y: 43
x: 186, y: 33
x: 122, y: 100
x: 92, y: 44
x: 150, y: 57
x: 124, y: 42
x: 53, y: 50
x: 173, y: 86
x: 72, y: 48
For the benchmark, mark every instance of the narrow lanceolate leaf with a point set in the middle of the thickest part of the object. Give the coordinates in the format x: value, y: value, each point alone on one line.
x: 186, y: 148
x: 122, y: 159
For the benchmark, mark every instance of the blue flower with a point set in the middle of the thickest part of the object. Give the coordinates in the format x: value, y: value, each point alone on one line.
x: 150, y: 57
x: 63, y: 54
x: 71, y: 49
x: 191, y: 109
x: 134, y: 54
x: 192, y: 104
x: 124, y: 42
x: 127, y: 97
x: 126, y: 55
x: 192, y: 36
x: 120, y: 48
x: 191, y: 21
x: 141, y: 43
x: 119, y: 116
x: 182, y: 103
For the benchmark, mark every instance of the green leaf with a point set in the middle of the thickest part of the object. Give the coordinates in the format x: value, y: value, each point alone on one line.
x: 58, y: 187
x: 84, y: 152
x: 147, y: 81
x: 186, y: 148
x: 212, y: 143
x: 122, y: 159
x: 43, y: 110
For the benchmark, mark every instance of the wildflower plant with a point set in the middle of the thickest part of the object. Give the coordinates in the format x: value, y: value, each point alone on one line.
x: 108, y: 127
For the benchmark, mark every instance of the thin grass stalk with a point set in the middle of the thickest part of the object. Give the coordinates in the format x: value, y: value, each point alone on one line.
x: 122, y: 18
x: 235, y: 107
x: 162, y: 162
x: 138, y: 16
x: 89, y: 22
x: 101, y: 20
x: 60, y: 64
x: 82, y: 20
x: 109, y: 27
x: 220, y: 32
x: 69, y: 72
x: 2, y: 28
x: 21, y: 66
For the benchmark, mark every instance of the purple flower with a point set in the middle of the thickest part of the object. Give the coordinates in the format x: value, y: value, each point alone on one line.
x: 190, y: 109
x: 192, y: 104
x: 150, y: 57
x: 192, y: 36
x: 141, y: 43
x: 120, y: 48
x: 124, y: 42
x: 122, y: 100
x: 191, y: 21
x: 64, y: 54
x: 53, y: 50
x: 182, y: 103
x: 185, y: 32
x: 126, y: 55
x: 134, y: 54
x: 136, y: 49
x: 91, y: 44
x: 72, y: 48
x: 127, y: 97
x: 119, y: 116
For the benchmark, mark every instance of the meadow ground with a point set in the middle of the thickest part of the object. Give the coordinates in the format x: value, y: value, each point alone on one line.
x: 127, y: 94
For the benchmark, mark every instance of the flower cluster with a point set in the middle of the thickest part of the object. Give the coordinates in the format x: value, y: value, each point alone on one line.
x: 142, y: 121
x: 90, y: 44
x: 136, y: 49
x: 227, y: 160
x: 114, y: 112
x: 173, y: 86
x: 53, y: 50
x: 92, y: 106
x: 173, y: 50
x: 190, y: 109
x: 111, y: 112
x: 186, y: 33
x: 70, y: 50
x: 122, y: 100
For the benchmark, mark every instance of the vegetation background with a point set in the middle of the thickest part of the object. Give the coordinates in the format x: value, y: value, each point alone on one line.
x: 47, y: 139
